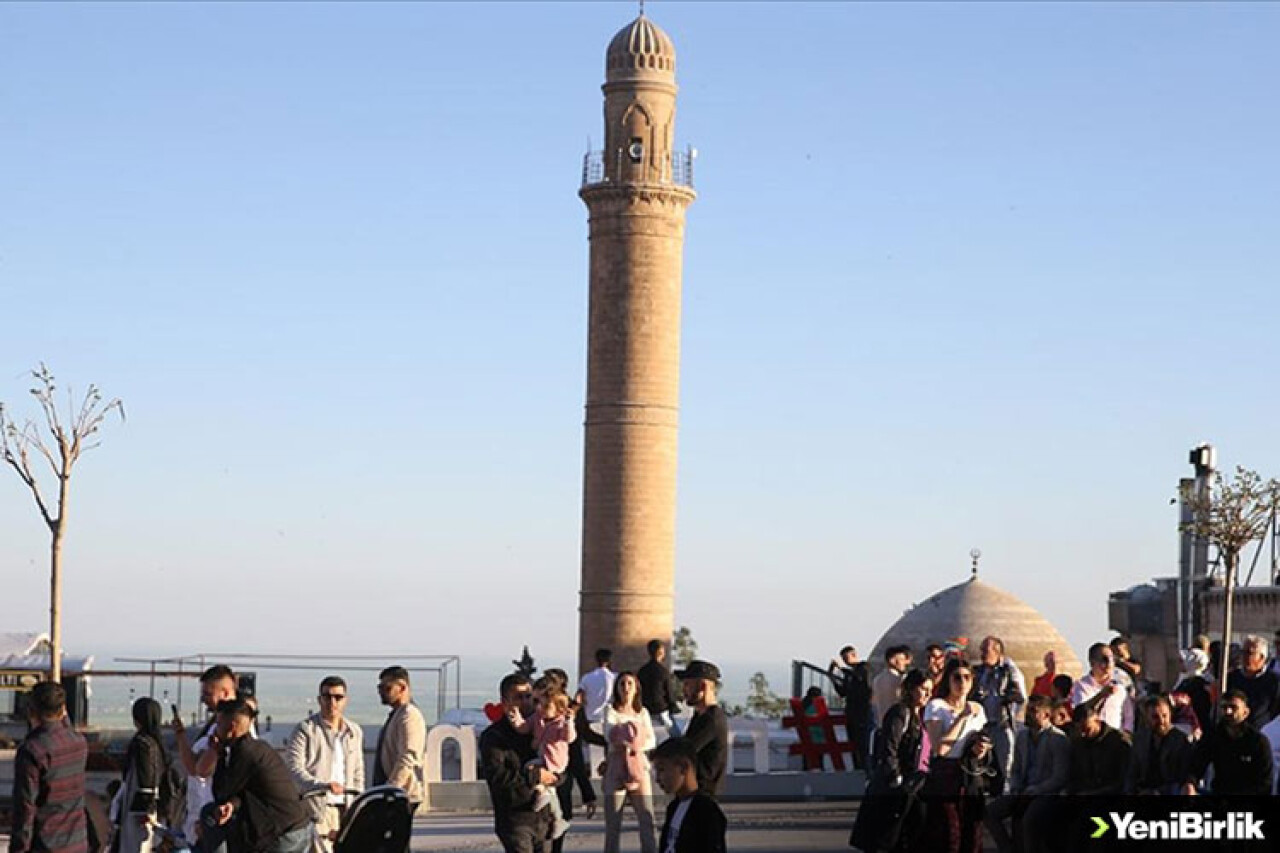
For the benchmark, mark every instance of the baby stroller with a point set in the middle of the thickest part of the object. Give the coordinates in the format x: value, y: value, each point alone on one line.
x: 378, y: 821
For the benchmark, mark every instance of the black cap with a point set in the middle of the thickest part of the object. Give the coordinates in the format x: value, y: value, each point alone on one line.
x: 700, y: 669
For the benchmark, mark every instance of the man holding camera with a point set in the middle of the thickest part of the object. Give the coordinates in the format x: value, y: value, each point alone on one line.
x: 998, y: 685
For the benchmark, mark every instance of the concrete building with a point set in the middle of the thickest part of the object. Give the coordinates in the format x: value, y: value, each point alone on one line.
x: 636, y: 190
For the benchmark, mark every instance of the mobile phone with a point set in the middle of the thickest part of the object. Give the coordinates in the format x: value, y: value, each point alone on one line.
x: 176, y: 715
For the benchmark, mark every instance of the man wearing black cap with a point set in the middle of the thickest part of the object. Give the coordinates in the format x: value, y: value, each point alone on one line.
x: 252, y: 785
x: 709, y: 729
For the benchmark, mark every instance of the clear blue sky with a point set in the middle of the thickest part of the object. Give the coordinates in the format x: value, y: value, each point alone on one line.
x: 958, y: 275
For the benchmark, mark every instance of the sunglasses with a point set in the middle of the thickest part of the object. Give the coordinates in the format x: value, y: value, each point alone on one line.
x: 333, y: 697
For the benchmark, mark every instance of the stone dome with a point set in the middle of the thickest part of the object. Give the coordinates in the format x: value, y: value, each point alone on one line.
x: 640, y: 46
x: 973, y: 610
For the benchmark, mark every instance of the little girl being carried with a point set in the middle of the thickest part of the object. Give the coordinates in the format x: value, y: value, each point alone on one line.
x: 552, y: 730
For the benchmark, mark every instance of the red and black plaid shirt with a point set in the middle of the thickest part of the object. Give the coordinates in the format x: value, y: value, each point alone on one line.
x: 48, y: 792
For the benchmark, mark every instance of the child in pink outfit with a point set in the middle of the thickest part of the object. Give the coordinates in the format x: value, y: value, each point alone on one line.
x: 552, y: 730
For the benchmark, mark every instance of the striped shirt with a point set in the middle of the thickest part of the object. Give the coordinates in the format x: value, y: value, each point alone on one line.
x: 48, y: 791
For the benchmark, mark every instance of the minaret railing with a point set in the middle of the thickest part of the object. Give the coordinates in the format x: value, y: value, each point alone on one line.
x: 681, y: 175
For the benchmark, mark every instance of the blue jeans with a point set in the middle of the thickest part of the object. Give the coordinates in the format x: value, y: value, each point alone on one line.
x: 297, y: 841
x: 665, y: 719
x: 213, y: 838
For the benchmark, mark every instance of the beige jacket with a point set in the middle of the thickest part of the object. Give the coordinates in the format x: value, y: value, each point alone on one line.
x: 309, y: 756
x: 404, y: 743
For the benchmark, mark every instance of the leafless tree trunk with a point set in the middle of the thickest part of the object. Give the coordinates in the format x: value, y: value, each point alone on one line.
x: 61, y: 450
x: 1228, y: 604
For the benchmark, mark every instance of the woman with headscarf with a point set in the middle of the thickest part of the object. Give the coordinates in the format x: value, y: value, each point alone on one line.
x: 890, y: 814
x: 137, y: 804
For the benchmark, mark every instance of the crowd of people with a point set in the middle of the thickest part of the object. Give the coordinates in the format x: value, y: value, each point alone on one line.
x: 222, y: 790
x: 956, y: 747
x: 534, y: 754
x: 950, y: 750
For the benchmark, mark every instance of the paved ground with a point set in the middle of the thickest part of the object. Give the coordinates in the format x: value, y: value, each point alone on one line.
x: 774, y: 828
x: 771, y: 828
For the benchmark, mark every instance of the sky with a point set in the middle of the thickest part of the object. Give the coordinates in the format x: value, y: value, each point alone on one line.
x: 958, y: 275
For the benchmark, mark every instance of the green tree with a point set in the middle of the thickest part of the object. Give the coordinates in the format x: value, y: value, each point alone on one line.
x: 59, y: 441
x: 684, y: 648
x: 761, y: 701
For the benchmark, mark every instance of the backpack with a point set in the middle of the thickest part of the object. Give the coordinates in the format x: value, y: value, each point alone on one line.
x: 172, y: 800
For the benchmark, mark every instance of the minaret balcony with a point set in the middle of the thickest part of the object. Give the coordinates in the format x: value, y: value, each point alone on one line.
x: 679, y: 171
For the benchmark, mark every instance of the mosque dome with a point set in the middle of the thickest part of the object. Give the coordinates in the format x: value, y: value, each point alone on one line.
x: 640, y: 46
x: 969, y: 611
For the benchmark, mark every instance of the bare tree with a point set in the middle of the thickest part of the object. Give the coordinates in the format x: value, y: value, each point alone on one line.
x: 59, y: 441
x: 1229, y: 516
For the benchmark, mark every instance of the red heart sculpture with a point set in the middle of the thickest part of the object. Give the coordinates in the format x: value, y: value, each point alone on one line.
x: 493, y: 711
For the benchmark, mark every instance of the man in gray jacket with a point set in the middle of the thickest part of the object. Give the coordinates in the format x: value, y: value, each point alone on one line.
x: 1041, y: 763
x: 326, y: 753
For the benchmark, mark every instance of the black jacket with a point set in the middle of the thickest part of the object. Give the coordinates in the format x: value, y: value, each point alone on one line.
x: 655, y: 688
x: 503, y: 754
x: 1263, y: 691
x: 1159, y: 767
x: 253, y: 778
x: 701, y: 831
x: 897, y: 757
x: 145, y: 759
x: 853, y: 684
x: 1241, y: 764
x: 709, y: 733
x: 1099, y: 765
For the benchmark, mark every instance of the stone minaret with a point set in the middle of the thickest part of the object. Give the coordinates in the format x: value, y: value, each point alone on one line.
x: 636, y: 190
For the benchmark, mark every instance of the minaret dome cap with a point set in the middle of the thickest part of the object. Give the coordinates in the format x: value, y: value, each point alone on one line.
x: 640, y: 46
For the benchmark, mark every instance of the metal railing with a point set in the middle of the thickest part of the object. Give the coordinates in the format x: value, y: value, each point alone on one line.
x: 679, y: 174
x: 445, y: 668
x: 682, y: 168
x: 805, y: 675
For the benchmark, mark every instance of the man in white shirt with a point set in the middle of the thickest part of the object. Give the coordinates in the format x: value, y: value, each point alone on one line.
x: 1104, y: 687
x: 217, y: 684
x: 884, y: 687
x: 326, y: 751
x: 596, y: 687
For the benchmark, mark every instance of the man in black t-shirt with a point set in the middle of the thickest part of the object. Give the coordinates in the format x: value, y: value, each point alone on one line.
x: 852, y: 682
x: 709, y: 728
x: 656, y: 690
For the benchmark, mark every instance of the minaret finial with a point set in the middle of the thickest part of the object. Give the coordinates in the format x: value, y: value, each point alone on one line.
x: 975, y: 555
x: 642, y: 8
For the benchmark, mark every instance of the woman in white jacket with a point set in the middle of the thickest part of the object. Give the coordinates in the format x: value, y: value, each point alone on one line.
x: 629, y: 733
